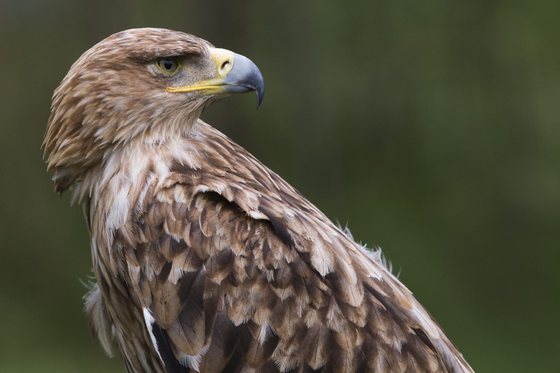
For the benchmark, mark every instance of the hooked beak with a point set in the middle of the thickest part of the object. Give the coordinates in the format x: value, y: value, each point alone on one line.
x: 234, y: 74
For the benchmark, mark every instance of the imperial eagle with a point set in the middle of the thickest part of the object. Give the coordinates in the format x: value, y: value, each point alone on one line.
x: 206, y: 260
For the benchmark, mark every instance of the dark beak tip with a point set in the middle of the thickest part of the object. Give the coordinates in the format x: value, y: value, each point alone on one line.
x: 260, y: 96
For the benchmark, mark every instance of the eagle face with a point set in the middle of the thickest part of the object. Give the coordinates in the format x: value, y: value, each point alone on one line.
x: 154, y: 82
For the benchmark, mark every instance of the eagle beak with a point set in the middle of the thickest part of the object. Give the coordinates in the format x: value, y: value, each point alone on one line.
x: 234, y: 74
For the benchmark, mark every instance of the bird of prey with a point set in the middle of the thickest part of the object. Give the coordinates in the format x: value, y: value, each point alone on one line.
x: 205, y: 260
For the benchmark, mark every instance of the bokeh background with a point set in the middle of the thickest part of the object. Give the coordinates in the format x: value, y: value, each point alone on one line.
x: 430, y: 128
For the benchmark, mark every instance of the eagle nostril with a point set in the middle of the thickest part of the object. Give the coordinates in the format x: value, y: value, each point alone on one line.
x: 224, y: 68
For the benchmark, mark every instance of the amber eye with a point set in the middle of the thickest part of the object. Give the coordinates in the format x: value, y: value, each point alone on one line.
x: 168, y: 65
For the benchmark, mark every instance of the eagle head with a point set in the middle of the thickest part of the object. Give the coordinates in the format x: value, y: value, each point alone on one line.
x: 137, y: 85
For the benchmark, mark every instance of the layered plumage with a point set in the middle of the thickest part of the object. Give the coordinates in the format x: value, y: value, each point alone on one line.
x: 205, y: 259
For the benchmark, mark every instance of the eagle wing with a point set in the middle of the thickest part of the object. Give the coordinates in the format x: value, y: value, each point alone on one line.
x: 236, y: 271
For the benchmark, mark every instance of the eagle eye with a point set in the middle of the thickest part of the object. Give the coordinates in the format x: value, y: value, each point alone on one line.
x: 168, y: 65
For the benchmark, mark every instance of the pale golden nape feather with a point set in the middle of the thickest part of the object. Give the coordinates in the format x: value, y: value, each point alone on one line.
x: 206, y: 260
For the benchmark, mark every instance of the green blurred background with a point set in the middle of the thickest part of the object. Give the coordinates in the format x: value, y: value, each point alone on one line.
x: 430, y: 128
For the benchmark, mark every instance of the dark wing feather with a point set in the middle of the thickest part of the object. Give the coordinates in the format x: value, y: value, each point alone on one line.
x: 242, y: 273
x: 165, y: 351
x: 227, y: 292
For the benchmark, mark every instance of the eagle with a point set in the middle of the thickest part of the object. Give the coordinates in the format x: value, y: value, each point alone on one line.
x: 204, y: 259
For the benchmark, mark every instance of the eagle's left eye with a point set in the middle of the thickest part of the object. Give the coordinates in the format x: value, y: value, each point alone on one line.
x: 168, y: 65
